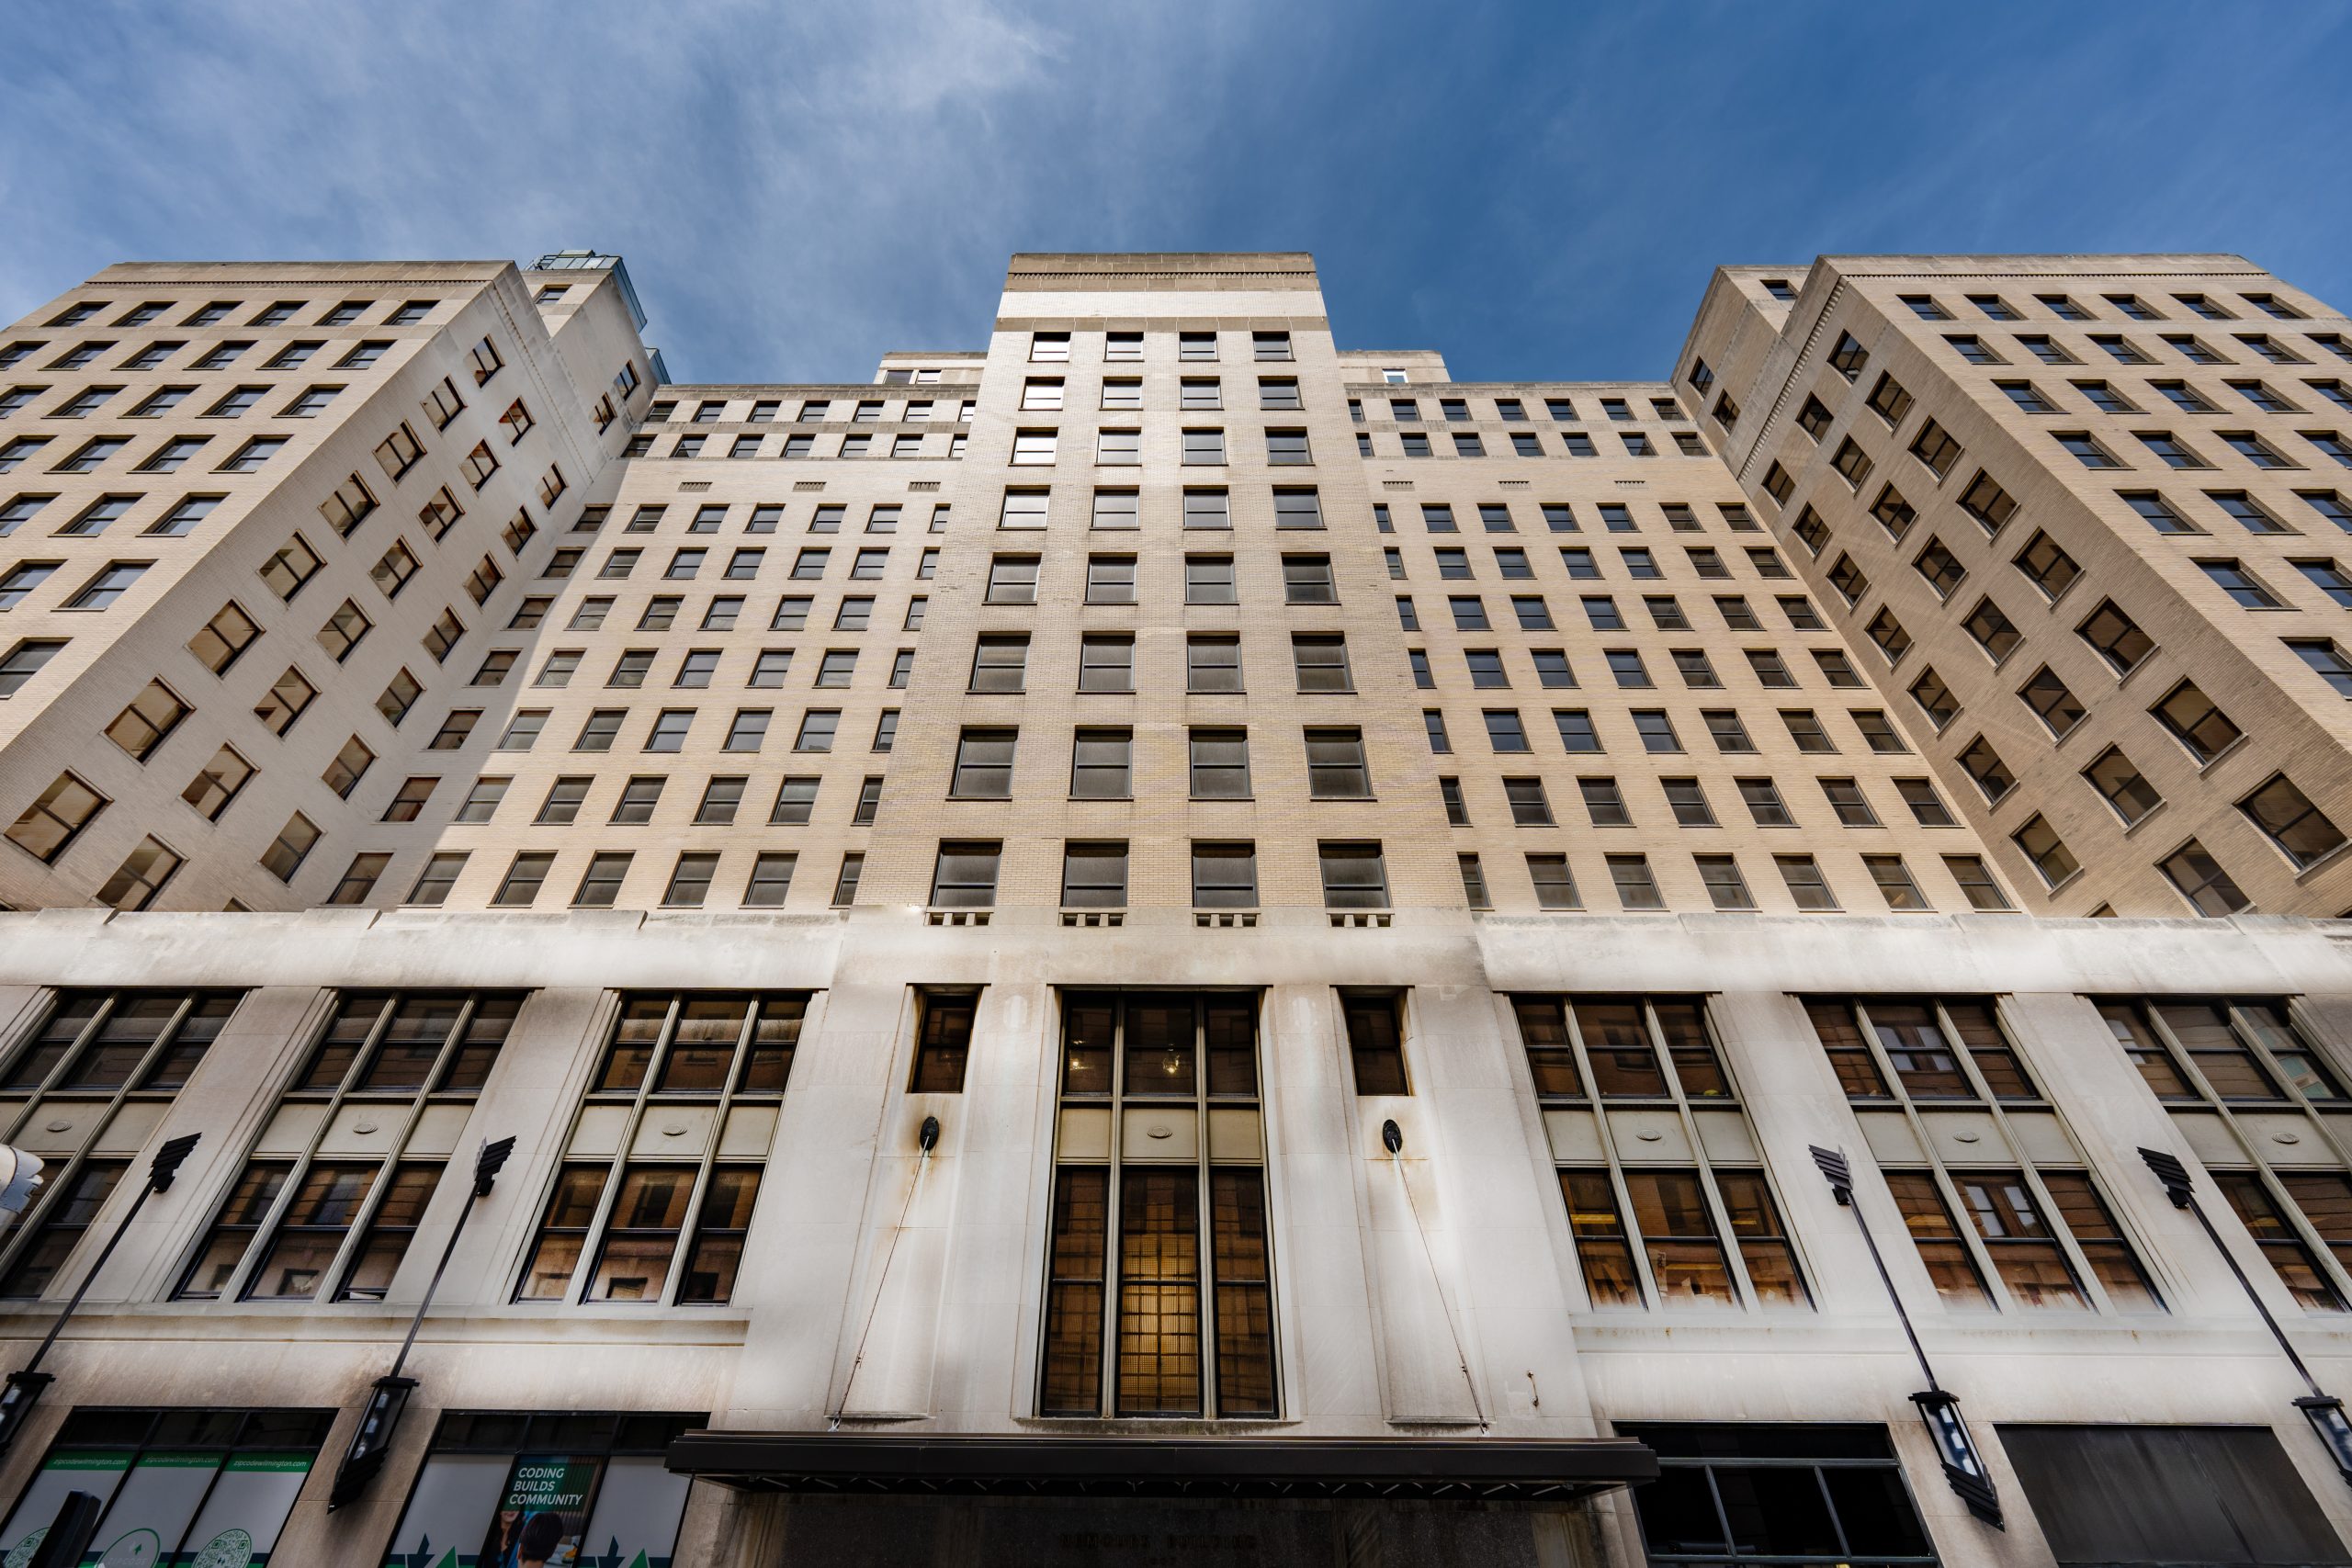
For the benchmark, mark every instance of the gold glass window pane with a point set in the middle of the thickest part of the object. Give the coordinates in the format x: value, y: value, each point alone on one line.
x: 1763, y: 1241
x: 1678, y: 1235
x: 1245, y: 1312
x: 1072, y: 1383
x: 1160, y: 1293
x: 2293, y: 1262
x: 1599, y: 1232
x: 390, y: 1232
x: 2015, y: 1232
x: 642, y: 1234
x: 1933, y: 1232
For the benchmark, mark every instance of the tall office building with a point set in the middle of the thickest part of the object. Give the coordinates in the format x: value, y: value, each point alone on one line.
x: 1166, y: 942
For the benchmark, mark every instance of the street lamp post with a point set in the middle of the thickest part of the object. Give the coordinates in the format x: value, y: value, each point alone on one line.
x: 24, y: 1386
x: 373, y: 1441
x: 2322, y: 1409
x: 1938, y: 1407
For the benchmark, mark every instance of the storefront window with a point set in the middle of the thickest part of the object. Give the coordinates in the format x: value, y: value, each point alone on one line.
x: 1757, y: 1492
x: 178, y: 1486
x: 506, y: 1489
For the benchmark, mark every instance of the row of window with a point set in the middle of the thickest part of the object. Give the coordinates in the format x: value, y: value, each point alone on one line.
x: 89, y: 456
x: 2270, y: 347
x: 2105, y: 397
x: 2130, y: 307
x: 311, y: 1227
x: 1513, y: 410
x: 764, y: 517
x: 817, y: 411
x: 213, y: 312
x: 2174, y: 453
x: 307, y: 403
x: 798, y: 446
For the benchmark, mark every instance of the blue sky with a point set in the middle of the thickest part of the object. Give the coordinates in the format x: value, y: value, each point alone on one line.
x: 1536, y: 191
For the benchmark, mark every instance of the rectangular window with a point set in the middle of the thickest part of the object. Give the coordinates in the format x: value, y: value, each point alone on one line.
x: 1167, y: 1322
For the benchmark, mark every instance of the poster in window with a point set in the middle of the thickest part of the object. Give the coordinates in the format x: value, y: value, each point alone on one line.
x: 486, y: 1511
x: 541, y: 1513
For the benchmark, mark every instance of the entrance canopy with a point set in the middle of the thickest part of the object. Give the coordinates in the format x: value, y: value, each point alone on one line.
x: 1472, y: 1469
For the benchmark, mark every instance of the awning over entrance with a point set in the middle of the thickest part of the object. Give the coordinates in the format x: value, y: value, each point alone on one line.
x: 1481, y: 1469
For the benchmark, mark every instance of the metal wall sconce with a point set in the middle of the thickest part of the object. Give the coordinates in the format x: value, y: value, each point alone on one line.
x: 2322, y: 1409
x: 1964, y: 1464
x: 373, y: 1441
x: 23, y: 1387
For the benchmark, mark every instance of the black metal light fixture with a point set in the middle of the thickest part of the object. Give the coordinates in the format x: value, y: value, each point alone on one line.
x: 1963, y: 1465
x: 23, y: 1389
x: 2322, y: 1409
x: 373, y: 1441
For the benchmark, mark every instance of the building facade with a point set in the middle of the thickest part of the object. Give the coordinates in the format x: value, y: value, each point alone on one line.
x: 1169, y: 942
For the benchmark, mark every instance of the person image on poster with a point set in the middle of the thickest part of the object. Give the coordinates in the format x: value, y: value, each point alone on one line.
x: 541, y: 1540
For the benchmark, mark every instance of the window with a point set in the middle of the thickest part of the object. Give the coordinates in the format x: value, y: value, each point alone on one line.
x: 285, y: 701
x: 110, y: 583
x: 1102, y: 764
x: 1110, y: 580
x: 1307, y: 579
x: 2039, y: 843
x: 1297, y: 509
x: 1106, y: 662
x: 2047, y: 567
x: 1354, y: 877
x: 2056, y: 706
x: 2120, y: 784
x: 983, y: 764
x: 1805, y: 882
x: 2201, y: 879
x: 965, y: 875
x: 1012, y: 580
x: 1000, y: 663
x: 1203, y: 445
x: 1936, y: 448
x: 2328, y: 662
x: 1218, y: 763
x: 1320, y: 661
x: 1212, y: 663
x: 1129, y: 1326
x: 23, y: 661
x: 2116, y: 637
x: 2196, y: 723
x: 1529, y: 807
